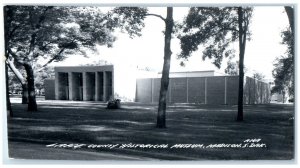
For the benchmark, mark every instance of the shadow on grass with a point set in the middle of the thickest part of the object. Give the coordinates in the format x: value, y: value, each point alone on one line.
x: 92, y: 123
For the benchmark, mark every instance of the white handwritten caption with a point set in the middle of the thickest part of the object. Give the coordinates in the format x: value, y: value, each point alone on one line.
x: 248, y: 143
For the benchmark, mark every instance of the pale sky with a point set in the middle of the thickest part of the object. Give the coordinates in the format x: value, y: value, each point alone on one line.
x: 147, y: 50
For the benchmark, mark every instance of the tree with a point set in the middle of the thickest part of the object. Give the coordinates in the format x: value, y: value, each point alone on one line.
x: 40, y: 75
x: 232, y: 68
x: 161, y: 116
x: 35, y: 32
x: 8, y: 104
x: 258, y: 76
x: 290, y: 13
x: 284, y: 65
x: 284, y: 76
x: 132, y: 19
x: 216, y: 28
x: 19, y: 74
x: 244, y: 16
x: 13, y: 83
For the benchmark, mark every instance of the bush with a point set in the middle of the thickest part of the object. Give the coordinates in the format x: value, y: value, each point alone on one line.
x: 114, y: 104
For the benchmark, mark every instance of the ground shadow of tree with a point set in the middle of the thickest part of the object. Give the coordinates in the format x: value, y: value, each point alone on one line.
x: 92, y: 123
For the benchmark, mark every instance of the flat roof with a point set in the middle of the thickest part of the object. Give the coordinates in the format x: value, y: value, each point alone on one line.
x: 191, y: 71
x: 83, y: 68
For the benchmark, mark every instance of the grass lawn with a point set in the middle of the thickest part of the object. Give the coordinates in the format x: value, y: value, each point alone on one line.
x: 71, y: 122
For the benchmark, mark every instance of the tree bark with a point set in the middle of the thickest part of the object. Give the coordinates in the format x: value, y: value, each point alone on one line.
x: 32, y: 106
x: 8, y: 104
x: 161, y: 115
x: 24, y: 94
x: 290, y: 13
x: 242, y: 42
x: 19, y: 76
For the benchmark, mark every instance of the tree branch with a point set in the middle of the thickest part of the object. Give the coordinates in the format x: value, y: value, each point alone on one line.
x: 290, y: 13
x: 156, y: 15
x: 14, y: 56
x: 36, y: 29
x: 52, y: 59
x: 12, y: 31
x: 227, y: 26
x: 15, y: 70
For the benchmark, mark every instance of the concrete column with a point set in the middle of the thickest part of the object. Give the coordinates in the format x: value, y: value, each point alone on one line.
x: 84, y: 86
x: 56, y: 86
x: 96, y: 86
x: 205, y: 91
x: 225, y: 93
x: 104, y: 86
x: 70, y: 80
x: 113, y: 83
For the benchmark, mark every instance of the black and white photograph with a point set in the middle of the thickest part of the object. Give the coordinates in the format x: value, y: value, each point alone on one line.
x: 136, y: 82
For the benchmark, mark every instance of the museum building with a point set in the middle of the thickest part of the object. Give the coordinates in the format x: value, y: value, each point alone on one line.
x: 102, y: 83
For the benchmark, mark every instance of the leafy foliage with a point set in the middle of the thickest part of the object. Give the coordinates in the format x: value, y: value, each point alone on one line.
x: 54, y: 32
x: 215, y: 28
x: 258, y: 76
x: 40, y: 75
x: 232, y: 68
x: 284, y: 66
x: 13, y: 82
x: 130, y: 19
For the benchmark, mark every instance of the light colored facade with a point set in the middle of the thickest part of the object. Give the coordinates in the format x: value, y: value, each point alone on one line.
x: 192, y: 74
x: 101, y: 83
x: 203, y: 90
x: 93, y: 83
x: 87, y: 83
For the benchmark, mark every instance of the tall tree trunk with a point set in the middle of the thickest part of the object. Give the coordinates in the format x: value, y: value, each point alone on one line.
x: 19, y: 76
x: 32, y: 106
x: 161, y: 115
x: 290, y: 13
x: 8, y: 104
x: 24, y: 93
x: 242, y: 44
